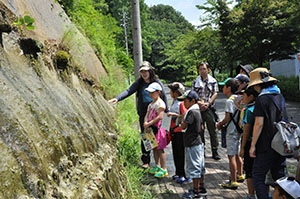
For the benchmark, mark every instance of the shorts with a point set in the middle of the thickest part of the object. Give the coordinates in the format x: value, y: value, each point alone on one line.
x: 194, y: 161
x: 233, y: 144
x: 248, y: 161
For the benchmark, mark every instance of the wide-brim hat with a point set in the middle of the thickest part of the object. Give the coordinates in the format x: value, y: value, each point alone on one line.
x: 259, y: 76
x: 154, y: 87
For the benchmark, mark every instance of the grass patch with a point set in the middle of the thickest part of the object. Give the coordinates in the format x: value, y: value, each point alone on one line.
x: 129, y: 149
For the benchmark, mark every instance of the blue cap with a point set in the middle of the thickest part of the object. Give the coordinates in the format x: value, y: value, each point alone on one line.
x: 189, y: 94
x: 242, y: 78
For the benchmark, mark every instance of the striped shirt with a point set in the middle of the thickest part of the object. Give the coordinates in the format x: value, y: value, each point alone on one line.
x: 205, y: 88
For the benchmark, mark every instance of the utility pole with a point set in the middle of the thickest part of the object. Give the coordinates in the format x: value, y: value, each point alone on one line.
x: 137, y: 37
x: 124, y: 25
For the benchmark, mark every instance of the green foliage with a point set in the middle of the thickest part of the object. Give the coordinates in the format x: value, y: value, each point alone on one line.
x: 129, y: 138
x: 163, y: 26
x: 26, y: 22
x: 101, y: 29
x: 289, y: 87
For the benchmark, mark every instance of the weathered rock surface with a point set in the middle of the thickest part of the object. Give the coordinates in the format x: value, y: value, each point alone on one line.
x: 56, y: 131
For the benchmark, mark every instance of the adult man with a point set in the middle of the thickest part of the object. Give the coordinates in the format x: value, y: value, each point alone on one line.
x: 207, y: 88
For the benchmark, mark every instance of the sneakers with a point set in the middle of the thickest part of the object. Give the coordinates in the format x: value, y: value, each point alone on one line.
x: 161, y: 173
x: 216, y: 155
x: 154, y: 170
x: 191, y: 195
x: 182, y: 180
x: 241, y: 178
x: 175, y: 177
x: 203, y: 191
x: 230, y: 185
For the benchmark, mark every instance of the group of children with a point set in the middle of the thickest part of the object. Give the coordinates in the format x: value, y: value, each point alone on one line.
x: 188, y: 147
x: 242, y: 148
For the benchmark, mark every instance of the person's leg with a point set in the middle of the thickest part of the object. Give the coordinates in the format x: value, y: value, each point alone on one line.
x: 156, y: 157
x: 261, y: 165
x: 298, y: 171
x: 232, y: 168
x: 248, y: 163
x: 211, y: 127
x: 239, y: 163
x: 145, y: 154
x: 278, y: 167
x: 196, y: 185
x: 162, y: 158
x: 178, y: 153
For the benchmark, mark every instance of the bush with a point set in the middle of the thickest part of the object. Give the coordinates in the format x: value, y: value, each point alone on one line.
x: 289, y: 87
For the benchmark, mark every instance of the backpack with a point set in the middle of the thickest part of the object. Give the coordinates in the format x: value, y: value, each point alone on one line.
x: 237, y: 126
x: 224, y: 128
x: 286, y: 140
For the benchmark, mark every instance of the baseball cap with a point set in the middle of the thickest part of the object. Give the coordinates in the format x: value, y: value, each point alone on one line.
x: 189, y: 94
x: 290, y: 185
x: 154, y: 87
x: 176, y: 86
x: 145, y: 66
x: 224, y: 82
x: 242, y: 78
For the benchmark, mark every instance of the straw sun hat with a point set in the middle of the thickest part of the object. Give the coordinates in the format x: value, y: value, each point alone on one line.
x: 260, y: 75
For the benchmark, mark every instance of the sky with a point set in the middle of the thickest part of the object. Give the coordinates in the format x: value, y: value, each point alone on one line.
x: 186, y: 7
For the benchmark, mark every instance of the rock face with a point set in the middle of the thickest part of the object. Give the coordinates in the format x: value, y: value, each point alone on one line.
x: 57, y: 134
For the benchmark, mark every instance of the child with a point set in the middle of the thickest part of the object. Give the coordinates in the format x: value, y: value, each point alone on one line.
x: 177, y: 111
x: 286, y: 188
x: 232, y: 135
x: 248, y: 99
x: 194, y: 147
x: 153, y: 120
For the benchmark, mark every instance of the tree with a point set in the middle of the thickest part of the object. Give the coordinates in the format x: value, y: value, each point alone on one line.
x: 163, y: 26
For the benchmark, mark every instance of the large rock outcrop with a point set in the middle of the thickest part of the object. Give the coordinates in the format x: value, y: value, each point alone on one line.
x: 57, y: 134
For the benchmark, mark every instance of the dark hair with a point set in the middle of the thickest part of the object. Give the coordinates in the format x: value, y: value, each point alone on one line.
x: 233, y: 83
x: 174, y: 88
x: 201, y: 64
x: 153, y: 77
x: 282, y: 192
x: 267, y: 84
x: 251, y: 91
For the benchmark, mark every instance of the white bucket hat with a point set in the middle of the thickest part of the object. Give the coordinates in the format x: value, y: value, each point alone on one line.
x: 290, y: 185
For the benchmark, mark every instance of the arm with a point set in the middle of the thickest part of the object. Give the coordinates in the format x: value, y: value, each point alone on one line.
x: 183, y: 125
x: 160, y: 115
x: 164, y: 97
x: 132, y: 89
x: 205, y: 105
x: 258, y: 125
x: 225, y: 120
